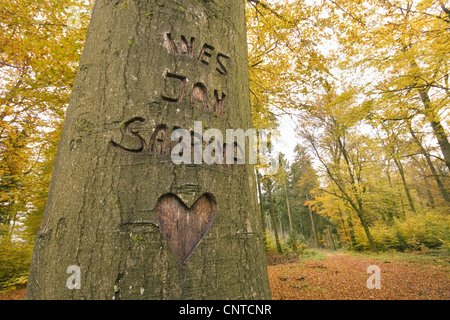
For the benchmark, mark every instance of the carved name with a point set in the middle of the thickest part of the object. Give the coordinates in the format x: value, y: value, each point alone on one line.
x: 194, y: 148
x: 206, y: 53
x: 199, y: 91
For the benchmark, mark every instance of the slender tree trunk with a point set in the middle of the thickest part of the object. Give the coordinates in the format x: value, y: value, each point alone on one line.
x: 419, y: 193
x: 353, y: 242
x: 269, y: 222
x: 401, y: 197
x: 435, y: 123
x: 345, y: 233
x: 430, y: 196
x: 313, y: 226
x: 272, y: 215
x: 405, y: 185
x: 436, y: 177
x: 331, y: 239
x: 123, y: 220
x: 282, y: 232
x: 365, y: 226
x: 301, y: 225
x: 288, y: 208
x: 388, y: 173
x: 261, y: 206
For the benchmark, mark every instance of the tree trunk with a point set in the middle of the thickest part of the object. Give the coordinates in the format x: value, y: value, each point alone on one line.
x: 367, y: 232
x: 388, y: 174
x: 313, y: 226
x: 282, y: 233
x: 436, y: 177
x: 301, y: 225
x: 429, y: 194
x: 365, y: 225
x: 405, y: 185
x: 331, y: 239
x: 344, y: 233
x: 131, y: 222
x: 401, y: 198
x: 261, y: 206
x: 288, y: 208
x: 272, y: 215
x: 353, y: 242
x: 435, y: 123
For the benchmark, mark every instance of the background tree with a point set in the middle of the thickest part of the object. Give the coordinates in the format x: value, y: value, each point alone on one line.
x: 39, y: 58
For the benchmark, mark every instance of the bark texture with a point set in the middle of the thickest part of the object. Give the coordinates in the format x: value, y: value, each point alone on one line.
x: 149, y: 67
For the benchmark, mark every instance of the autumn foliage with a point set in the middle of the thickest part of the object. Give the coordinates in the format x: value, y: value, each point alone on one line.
x: 366, y: 88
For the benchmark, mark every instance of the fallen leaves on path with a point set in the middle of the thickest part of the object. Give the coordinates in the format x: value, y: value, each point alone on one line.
x: 344, y: 277
x: 18, y: 294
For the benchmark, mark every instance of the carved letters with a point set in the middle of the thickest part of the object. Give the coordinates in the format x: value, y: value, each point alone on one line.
x: 213, y: 101
x: 182, y: 90
x: 162, y: 143
x: 206, y: 52
x: 200, y: 92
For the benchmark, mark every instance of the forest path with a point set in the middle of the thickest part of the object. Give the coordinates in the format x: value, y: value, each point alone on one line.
x: 340, y: 276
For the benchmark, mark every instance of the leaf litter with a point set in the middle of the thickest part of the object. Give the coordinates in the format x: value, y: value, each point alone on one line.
x: 344, y: 277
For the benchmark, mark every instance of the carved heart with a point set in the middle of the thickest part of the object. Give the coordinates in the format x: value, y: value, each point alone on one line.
x: 184, y: 228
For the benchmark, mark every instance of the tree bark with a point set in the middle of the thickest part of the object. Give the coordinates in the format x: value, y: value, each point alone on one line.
x: 261, y: 206
x: 313, y: 226
x: 272, y: 215
x: 436, y: 125
x: 288, y: 208
x: 331, y: 239
x: 436, y: 177
x: 261, y: 209
x: 368, y: 233
x: 405, y: 184
x: 136, y: 225
x: 352, y: 232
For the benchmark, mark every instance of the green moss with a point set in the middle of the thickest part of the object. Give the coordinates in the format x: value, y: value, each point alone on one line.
x: 82, y: 125
x: 138, y: 238
x: 205, y: 126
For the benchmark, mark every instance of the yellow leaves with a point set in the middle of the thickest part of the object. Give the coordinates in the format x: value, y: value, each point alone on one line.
x: 38, y: 62
x: 282, y: 57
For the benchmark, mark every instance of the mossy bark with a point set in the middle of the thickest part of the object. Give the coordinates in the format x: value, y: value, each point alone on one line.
x: 100, y: 213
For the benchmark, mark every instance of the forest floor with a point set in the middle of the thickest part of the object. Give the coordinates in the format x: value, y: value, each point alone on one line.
x: 16, y: 294
x: 340, y: 275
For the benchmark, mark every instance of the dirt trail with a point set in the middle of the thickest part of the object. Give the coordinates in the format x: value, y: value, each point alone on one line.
x: 344, y: 277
